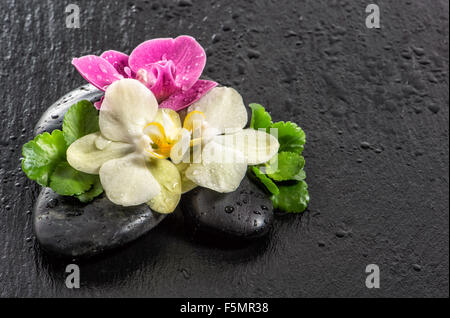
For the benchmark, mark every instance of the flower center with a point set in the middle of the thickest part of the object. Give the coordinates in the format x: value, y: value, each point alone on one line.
x: 160, y: 78
x: 159, y: 145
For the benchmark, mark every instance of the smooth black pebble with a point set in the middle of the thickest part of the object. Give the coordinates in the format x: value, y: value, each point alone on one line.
x: 64, y: 225
x: 53, y: 117
x: 245, y: 213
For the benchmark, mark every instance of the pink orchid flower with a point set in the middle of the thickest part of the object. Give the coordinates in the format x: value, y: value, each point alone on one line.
x: 170, y: 68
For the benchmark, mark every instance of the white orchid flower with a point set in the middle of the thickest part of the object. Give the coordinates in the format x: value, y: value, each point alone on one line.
x: 130, y: 149
x: 215, y: 124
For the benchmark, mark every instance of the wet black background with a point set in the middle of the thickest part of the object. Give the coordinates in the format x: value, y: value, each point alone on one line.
x: 313, y: 62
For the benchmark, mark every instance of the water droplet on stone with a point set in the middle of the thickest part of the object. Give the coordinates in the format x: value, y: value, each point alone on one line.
x: 365, y: 145
x: 229, y: 209
x: 52, y: 203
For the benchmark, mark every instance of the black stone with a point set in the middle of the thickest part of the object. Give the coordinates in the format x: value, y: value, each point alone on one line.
x: 53, y: 117
x: 244, y: 213
x: 65, y: 226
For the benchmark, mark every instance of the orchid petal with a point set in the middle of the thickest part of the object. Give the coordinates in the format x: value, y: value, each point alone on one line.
x: 185, y: 52
x: 181, y: 149
x: 99, y: 103
x: 183, y: 99
x: 168, y: 177
x: 159, y: 78
x: 127, y: 181
x: 96, y: 71
x: 216, y: 171
x: 117, y: 59
x: 186, y: 184
x: 224, y: 109
x: 128, y: 106
x: 90, y: 152
x: 257, y: 146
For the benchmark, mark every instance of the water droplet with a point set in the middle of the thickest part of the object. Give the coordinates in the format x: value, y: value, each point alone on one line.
x: 365, y: 145
x: 341, y: 233
x: 229, y: 209
x: 103, y: 68
x: 52, y: 203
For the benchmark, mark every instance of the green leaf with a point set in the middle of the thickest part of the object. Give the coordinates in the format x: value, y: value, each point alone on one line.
x: 45, y: 156
x: 269, y: 184
x: 290, y: 136
x: 41, y: 156
x: 292, y: 198
x: 65, y: 180
x: 80, y: 120
x: 300, y: 176
x: 92, y: 193
x: 260, y: 118
x: 285, y: 166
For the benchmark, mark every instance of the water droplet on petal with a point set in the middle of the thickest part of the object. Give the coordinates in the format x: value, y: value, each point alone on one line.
x: 103, y: 68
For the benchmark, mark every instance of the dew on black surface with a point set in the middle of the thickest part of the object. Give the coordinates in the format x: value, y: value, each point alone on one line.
x: 185, y: 3
x: 365, y: 145
x: 229, y: 209
x: 378, y: 150
x: 215, y: 38
x: 342, y: 233
x: 253, y: 54
x: 434, y: 108
x: 52, y: 203
x: 186, y: 274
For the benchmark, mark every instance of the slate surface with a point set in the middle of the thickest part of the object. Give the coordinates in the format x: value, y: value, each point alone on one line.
x: 313, y: 62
